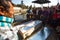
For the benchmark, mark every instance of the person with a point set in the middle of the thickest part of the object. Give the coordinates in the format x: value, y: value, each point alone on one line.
x: 44, y: 16
x: 58, y: 16
x: 54, y: 17
x: 29, y: 13
x: 34, y: 13
x: 39, y: 13
x: 6, y: 19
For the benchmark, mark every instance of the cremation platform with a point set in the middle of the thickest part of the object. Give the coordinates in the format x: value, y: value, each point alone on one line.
x: 40, y: 35
x: 29, y: 28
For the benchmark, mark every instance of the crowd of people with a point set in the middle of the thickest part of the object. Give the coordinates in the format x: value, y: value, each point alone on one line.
x: 48, y: 15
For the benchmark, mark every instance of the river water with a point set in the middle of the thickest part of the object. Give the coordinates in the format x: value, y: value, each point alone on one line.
x: 19, y: 17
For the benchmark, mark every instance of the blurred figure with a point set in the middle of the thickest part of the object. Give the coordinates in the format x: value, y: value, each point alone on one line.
x: 29, y: 12
x: 6, y: 19
x: 54, y: 19
x: 58, y: 15
x: 39, y: 13
x: 44, y: 16
x: 34, y: 13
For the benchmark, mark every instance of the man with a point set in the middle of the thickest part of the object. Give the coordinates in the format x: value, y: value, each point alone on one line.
x: 39, y: 13
x: 34, y: 13
x: 29, y: 13
x: 44, y: 16
x: 6, y: 19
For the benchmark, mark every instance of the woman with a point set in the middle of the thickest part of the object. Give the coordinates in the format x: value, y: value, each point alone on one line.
x: 6, y: 18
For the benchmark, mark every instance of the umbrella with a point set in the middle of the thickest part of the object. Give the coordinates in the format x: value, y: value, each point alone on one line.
x: 41, y: 1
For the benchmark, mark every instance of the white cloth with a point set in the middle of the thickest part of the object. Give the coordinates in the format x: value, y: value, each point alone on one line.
x: 6, y: 33
x: 37, y: 12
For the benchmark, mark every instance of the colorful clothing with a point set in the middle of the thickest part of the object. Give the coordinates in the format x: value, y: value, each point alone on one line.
x: 5, y: 26
x: 54, y: 15
x: 5, y: 21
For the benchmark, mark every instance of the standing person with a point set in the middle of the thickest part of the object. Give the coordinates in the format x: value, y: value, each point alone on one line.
x: 54, y: 17
x: 34, y: 13
x: 6, y: 19
x: 44, y: 16
x: 58, y: 23
x: 29, y: 12
x: 58, y: 16
x: 39, y: 13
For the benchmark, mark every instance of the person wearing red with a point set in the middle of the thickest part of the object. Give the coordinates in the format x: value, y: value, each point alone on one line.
x: 53, y: 21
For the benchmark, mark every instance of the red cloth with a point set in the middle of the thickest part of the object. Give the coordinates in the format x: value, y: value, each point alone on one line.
x: 54, y: 16
x: 58, y: 15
